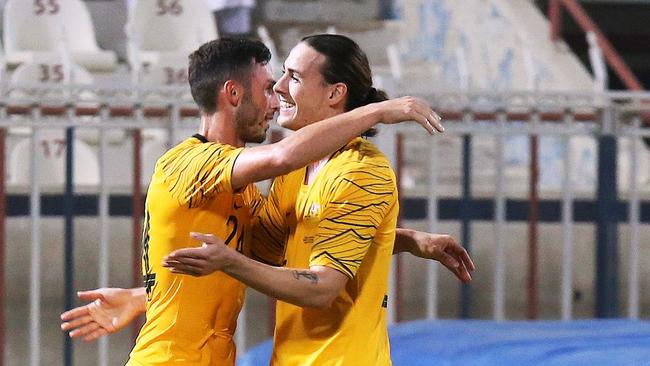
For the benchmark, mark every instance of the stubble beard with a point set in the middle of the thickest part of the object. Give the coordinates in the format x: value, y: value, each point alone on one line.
x: 246, y: 123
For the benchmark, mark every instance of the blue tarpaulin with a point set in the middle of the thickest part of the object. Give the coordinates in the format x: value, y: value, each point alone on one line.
x: 614, y: 342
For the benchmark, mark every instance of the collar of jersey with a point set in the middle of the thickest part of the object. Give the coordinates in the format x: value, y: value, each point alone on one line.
x: 200, y: 137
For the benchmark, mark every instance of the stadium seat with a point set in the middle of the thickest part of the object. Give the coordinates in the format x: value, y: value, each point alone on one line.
x: 265, y: 37
x: 33, y: 28
x: 166, y: 80
x: 51, y: 156
x: 158, y: 29
x: 50, y: 71
x: 163, y: 82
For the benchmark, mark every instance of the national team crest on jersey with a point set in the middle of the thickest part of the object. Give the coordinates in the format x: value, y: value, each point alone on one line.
x: 314, y: 210
x: 313, y: 214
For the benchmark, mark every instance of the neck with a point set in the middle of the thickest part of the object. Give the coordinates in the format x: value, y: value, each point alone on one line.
x: 220, y: 127
x: 314, y: 168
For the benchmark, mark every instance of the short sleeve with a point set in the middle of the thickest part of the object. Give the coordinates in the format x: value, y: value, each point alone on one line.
x: 196, y: 173
x: 253, y: 199
x: 355, y: 206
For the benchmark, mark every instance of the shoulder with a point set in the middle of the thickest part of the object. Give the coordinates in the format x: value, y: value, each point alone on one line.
x: 363, y: 157
x: 197, y: 148
x: 360, y: 170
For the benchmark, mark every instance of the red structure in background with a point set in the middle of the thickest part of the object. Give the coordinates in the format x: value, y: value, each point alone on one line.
x: 578, y: 13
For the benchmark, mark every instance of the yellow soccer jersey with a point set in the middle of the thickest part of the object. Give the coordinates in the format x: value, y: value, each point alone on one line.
x: 191, y: 320
x: 345, y: 219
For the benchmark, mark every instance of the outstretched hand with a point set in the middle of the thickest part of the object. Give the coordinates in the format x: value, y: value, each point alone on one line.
x: 201, y: 261
x: 410, y: 108
x: 109, y: 310
x: 446, y: 250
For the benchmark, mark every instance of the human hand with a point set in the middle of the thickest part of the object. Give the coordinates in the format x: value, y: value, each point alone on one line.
x: 201, y: 261
x: 410, y: 109
x: 109, y: 310
x: 446, y: 250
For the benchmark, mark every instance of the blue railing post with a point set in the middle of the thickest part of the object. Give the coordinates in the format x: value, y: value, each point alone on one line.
x: 607, y: 224
x: 387, y: 9
x: 465, y: 216
x: 68, y: 212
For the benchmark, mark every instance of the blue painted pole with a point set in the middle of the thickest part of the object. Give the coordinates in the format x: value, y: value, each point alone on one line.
x: 607, y: 303
x: 465, y: 214
x: 68, y: 212
x: 387, y: 9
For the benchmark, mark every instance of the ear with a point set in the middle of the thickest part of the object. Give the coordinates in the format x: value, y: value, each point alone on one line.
x: 233, y: 92
x: 337, y: 94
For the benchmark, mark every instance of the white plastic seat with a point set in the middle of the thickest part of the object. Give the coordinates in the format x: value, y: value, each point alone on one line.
x: 169, y: 72
x: 47, y: 72
x: 51, y: 157
x: 50, y: 72
x: 158, y: 29
x: 265, y: 37
x: 31, y: 31
x: 166, y: 81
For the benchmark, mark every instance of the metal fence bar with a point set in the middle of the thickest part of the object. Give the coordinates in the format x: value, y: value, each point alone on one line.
x: 465, y: 296
x: 566, y: 300
x: 606, y: 278
x: 499, y: 311
x: 533, y: 207
x: 634, y: 214
x: 68, y: 211
x: 137, y: 215
x: 104, y: 222
x: 432, y: 216
x: 35, y: 270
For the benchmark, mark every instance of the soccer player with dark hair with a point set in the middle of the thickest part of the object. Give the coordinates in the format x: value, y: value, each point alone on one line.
x: 203, y: 184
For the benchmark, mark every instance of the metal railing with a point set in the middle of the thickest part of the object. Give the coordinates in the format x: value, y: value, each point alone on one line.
x: 565, y: 115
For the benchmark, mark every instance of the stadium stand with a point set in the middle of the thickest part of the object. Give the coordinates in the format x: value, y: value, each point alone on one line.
x: 157, y: 30
x: 51, y: 161
x: 32, y: 29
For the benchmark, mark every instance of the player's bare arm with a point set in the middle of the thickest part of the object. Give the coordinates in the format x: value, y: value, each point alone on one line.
x: 315, y: 287
x: 320, y: 139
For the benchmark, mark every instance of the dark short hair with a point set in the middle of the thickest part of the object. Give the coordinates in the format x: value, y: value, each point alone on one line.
x: 346, y: 63
x: 218, y: 61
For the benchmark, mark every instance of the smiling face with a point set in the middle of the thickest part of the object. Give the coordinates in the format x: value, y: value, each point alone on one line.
x: 258, y: 106
x: 302, y: 90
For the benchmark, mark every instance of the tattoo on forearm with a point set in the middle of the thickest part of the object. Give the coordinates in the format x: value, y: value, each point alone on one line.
x: 311, y: 277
